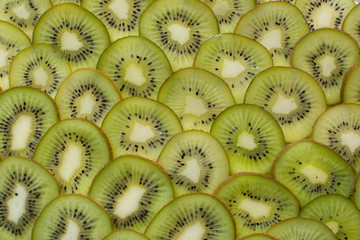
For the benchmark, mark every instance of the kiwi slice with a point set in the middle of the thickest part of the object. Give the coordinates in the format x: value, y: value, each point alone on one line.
x: 300, y: 228
x: 356, y: 191
x: 195, y: 162
x: 310, y: 169
x: 178, y: 27
x: 81, y: 36
x: 125, y: 235
x: 339, y: 128
x: 326, y: 54
x: 258, y: 236
x: 132, y: 190
x: 24, y: 14
x: 324, y: 13
x: 235, y: 59
x: 277, y: 26
x: 339, y: 213
x: 192, y: 216
x: 251, y: 137
x: 258, y: 2
x: 57, y: 2
x: 73, y: 150
x: 121, y: 17
x: 351, y: 23
x: 72, y: 216
x: 196, y: 96
x: 41, y: 66
x: 86, y: 93
x: 291, y: 96
x: 140, y: 126
x: 26, y: 114
x: 11, y: 44
x: 25, y: 188
x: 228, y: 12
x: 350, y: 89
x: 137, y: 66
x: 256, y: 202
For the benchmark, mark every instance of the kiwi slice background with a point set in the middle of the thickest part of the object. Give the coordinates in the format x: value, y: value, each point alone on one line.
x: 351, y: 23
x: 257, y: 236
x: 350, y: 89
x: 125, y: 234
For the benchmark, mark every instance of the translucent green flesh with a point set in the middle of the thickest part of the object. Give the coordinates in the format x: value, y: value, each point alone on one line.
x: 351, y: 85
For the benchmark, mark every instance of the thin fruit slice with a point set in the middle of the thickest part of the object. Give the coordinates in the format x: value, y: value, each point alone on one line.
x: 310, y: 169
x: 26, y: 114
x: 351, y: 23
x: 57, y: 2
x: 125, y: 235
x: 339, y: 213
x: 81, y: 36
x: 25, y: 188
x: 196, y: 96
x: 195, y: 162
x: 339, y: 128
x: 258, y: 2
x: 291, y: 96
x: 256, y: 202
x: 132, y: 190
x: 41, y: 66
x: 251, y: 137
x: 235, y: 59
x: 74, y: 150
x: 86, y: 93
x: 137, y: 66
x: 350, y: 89
x: 326, y: 54
x: 277, y: 26
x: 72, y: 216
x: 192, y: 216
x: 140, y: 126
x: 356, y: 191
x: 258, y: 236
x: 178, y: 27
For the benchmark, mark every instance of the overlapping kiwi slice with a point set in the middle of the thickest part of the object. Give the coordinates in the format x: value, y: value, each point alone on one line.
x: 25, y: 188
x: 235, y: 59
x: 178, y: 27
x: 257, y: 236
x: 132, y: 190
x: 72, y: 216
x: 350, y: 89
x: 81, y: 36
x: 356, y: 191
x: 192, y: 216
x: 351, y: 23
x: 276, y: 25
x: 73, y: 150
x: 137, y: 66
x: 125, y: 234
x: 57, y: 2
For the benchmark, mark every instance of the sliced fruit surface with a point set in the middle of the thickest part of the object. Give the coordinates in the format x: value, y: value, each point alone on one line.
x: 125, y: 234
x: 356, y: 191
x: 351, y: 23
x: 257, y: 236
x: 350, y: 89
x: 57, y: 2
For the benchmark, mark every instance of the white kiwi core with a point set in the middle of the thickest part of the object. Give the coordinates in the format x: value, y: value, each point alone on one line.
x: 179, y: 33
x: 120, y: 8
x: 16, y: 204
x: 272, y: 39
x: 194, y: 106
x: 351, y: 140
x: 255, y: 209
x: 134, y: 74
x: 194, y: 231
x: 334, y: 226
x: 21, y: 12
x: 231, y: 68
x: 3, y: 58
x: 21, y: 132
x: 128, y: 202
x: 323, y: 16
x: 284, y: 105
x: 246, y: 140
x: 141, y: 133
x: 315, y: 175
x: 72, y: 231
x: 192, y: 170
x: 40, y: 77
x: 86, y: 104
x: 70, y: 41
x: 71, y: 161
x: 220, y: 8
x: 327, y: 66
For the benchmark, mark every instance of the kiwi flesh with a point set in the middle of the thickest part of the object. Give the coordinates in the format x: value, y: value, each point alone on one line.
x: 351, y: 23
x: 356, y: 191
x: 132, y: 190
x: 26, y: 187
x: 350, y: 89
x: 125, y: 235
x: 57, y: 2
x: 258, y: 236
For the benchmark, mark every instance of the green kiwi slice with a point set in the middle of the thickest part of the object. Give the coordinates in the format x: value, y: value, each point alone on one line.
x: 72, y: 216
x: 299, y: 228
x: 140, y: 126
x: 350, y: 89
x: 24, y: 14
x: 291, y: 96
x: 73, y: 150
x: 251, y: 137
x: 41, y: 66
x: 26, y: 114
x: 257, y: 236
x: 196, y: 96
x: 192, y: 216
x: 351, y: 23
x: 25, y: 188
x: 125, y: 235
x: 228, y: 12
x: 258, y: 2
x: 57, y: 2
x: 121, y: 17
x: 256, y: 202
x: 326, y: 54
x: 86, y: 93
x: 339, y: 129
x: 235, y: 59
x: 137, y: 66
x: 356, y: 191
x: 310, y: 169
x: 178, y: 27
x: 81, y: 36
x: 324, y: 13
x: 339, y: 213
x: 11, y: 44
x: 132, y: 190
x: 195, y: 162
x: 276, y: 25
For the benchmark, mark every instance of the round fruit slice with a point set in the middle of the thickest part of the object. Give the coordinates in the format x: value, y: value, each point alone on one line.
x: 132, y: 190
x: 140, y: 126
x: 74, y: 150
x: 72, y: 217
x: 351, y: 23
x: 258, y: 236
x: 125, y: 235
x: 25, y: 188
x: 192, y: 216
x: 251, y: 137
x: 350, y: 90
